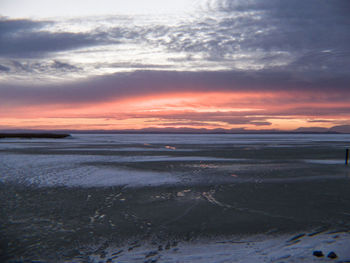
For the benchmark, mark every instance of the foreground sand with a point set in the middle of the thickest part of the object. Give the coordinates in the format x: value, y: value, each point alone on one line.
x: 174, y: 198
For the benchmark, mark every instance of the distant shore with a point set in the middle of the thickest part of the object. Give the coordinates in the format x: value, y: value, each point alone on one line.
x: 34, y: 135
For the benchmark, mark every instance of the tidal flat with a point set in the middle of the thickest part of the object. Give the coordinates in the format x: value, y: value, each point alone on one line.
x: 93, y: 198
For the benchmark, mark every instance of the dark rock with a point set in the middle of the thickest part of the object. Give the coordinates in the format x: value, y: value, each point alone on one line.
x: 167, y: 246
x: 318, y: 231
x: 160, y: 248
x: 135, y: 246
x: 332, y: 255
x: 318, y: 253
x: 296, y: 237
x: 151, y: 254
x: 118, y: 252
x: 103, y: 254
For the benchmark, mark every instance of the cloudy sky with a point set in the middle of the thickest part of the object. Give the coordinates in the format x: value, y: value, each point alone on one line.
x: 232, y: 64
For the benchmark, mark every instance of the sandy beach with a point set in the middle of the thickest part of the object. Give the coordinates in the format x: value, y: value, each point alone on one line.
x: 175, y: 198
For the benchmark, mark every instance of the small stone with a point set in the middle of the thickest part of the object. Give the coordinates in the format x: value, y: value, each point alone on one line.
x: 160, y: 248
x: 103, y: 254
x: 180, y: 194
x: 332, y: 255
x: 167, y: 245
x: 296, y: 237
x: 318, y: 253
x: 117, y: 253
x: 151, y: 254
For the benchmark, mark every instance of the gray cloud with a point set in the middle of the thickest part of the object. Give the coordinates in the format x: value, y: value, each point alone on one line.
x: 4, y: 68
x: 117, y: 86
x: 59, y: 65
x: 301, y: 35
x: 14, y: 26
x: 49, y: 67
x: 22, y: 38
x: 293, y: 36
x: 269, y: 45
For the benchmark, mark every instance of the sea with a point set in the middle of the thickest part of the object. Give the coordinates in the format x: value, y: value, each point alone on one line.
x: 175, y: 198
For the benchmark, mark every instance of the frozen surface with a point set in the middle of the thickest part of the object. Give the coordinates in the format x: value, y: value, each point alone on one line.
x: 249, y: 249
x: 175, y: 198
x: 326, y: 161
x: 136, y: 159
x: 77, y: 170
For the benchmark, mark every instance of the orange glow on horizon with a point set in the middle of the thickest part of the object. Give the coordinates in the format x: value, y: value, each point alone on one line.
x: 210, y: 110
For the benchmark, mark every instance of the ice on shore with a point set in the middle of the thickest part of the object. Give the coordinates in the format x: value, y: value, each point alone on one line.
x: 66, y: 170
x: 247, y: 249
x: 325, y: 161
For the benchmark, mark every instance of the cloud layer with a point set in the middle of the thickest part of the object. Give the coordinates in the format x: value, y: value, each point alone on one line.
x: 293, y: 55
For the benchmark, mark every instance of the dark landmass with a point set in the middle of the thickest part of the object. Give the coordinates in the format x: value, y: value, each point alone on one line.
x: 177, y: 131
x: 34, y: 135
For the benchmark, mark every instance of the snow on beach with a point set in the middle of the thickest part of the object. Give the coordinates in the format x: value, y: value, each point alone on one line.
x: 246, y: 249
x: 207, y: 198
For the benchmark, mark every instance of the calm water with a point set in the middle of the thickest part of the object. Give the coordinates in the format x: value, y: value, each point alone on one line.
x: 61, y: 197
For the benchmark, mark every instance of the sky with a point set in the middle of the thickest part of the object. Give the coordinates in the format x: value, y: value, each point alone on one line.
x: 201, y: 64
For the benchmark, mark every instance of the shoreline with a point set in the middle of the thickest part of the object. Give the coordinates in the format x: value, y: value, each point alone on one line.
x: 34, y: 135
x: 287, y: 247
x: 212, y: 199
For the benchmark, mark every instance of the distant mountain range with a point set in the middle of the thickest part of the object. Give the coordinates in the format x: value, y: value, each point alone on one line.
x: 332, y: 130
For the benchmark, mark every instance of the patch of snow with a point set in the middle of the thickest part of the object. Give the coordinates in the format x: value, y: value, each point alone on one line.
x: 325, y: 161
x: 248, y: 249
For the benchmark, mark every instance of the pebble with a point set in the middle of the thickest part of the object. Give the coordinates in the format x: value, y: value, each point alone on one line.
x: 318, y: 253
x: 296, y: 237
x: 332, y: 255
x: 167, y: 245
x: 151, y: 254
x: 117, y: 253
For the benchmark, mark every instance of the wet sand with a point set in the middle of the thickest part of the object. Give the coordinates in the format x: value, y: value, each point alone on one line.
x: 209, y: 202
x: 59, y: 223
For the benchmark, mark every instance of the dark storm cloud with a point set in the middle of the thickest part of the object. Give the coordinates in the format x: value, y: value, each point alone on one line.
x: 139, y: 83
x: 4, y: 68
x: 298, y: 46
x: 26, y: 38
x: 293, y: 36
x: 293, y: 25
x: 314, y: 35
x: 13, y: 26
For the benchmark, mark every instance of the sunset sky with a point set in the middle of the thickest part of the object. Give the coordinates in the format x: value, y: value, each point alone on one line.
x: 229, y: 64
